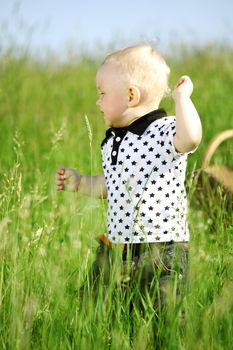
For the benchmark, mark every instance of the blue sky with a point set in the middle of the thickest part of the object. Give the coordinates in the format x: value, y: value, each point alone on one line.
x: 70, y: 24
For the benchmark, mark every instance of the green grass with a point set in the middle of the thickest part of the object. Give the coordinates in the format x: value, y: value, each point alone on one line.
x: 47, y: 239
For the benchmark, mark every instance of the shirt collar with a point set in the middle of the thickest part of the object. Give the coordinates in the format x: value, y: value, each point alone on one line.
x: 138, y: 126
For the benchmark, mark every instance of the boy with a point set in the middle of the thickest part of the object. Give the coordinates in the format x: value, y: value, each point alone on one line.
x: 144, y: 158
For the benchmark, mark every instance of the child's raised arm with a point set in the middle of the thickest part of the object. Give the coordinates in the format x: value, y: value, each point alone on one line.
x: 188, y: 124
x: 69, y: 179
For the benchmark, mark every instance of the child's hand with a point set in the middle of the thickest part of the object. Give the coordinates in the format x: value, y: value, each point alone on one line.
x: 184, y: 86
x: 67, y: 179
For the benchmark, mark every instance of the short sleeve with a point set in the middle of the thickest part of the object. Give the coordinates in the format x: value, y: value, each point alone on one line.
x: 169, y: 131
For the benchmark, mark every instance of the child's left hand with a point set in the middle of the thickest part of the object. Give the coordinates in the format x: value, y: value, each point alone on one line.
x: 184, y: 86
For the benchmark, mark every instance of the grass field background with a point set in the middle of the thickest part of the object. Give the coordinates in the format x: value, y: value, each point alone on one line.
x: 47, y: 239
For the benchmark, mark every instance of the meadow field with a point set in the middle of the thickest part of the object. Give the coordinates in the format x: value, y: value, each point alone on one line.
x: 48, y: 118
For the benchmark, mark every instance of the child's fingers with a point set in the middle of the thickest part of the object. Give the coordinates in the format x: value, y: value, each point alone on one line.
x: 182, y: 80
x: 60, y: 184
x: 60, y: 177
x: 60, y: 187
x: 61, y: 170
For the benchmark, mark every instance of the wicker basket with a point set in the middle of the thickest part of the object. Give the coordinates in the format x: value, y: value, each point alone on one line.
x: 218, y: 174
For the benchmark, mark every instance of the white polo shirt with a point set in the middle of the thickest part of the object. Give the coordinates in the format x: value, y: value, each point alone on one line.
x: 145, y: 181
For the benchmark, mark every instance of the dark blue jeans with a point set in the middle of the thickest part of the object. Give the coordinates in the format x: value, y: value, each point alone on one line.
x: 146, y: 269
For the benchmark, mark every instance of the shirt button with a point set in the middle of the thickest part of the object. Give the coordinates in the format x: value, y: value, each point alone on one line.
x: 114, y: 153
x: 118, y: 139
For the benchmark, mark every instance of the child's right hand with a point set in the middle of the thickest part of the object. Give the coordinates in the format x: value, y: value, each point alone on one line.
x: 67, y: 179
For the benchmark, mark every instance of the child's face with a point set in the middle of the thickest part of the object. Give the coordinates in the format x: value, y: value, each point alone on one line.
x: 113, y: 98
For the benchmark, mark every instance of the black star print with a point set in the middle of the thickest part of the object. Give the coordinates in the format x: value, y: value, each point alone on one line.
x: 135, y: 150
x: 145, y: 143
x: 143, y: 156
x: 164, y: 162
x: 151, y: 149
x: 157, y: 155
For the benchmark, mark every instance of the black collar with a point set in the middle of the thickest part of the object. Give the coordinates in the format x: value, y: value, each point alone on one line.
x: 138, y: 126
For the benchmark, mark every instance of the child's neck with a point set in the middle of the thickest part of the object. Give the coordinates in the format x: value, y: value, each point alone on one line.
x: 137, y: 112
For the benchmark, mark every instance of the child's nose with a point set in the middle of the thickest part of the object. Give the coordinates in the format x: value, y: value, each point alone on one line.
x: 98, y: 102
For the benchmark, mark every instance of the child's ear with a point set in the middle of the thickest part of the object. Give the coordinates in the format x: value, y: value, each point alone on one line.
x: 134, y: 96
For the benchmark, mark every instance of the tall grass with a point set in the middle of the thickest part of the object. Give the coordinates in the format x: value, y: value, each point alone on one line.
x: 47, y: 240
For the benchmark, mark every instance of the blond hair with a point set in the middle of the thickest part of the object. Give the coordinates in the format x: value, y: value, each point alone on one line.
x: 144, y: 67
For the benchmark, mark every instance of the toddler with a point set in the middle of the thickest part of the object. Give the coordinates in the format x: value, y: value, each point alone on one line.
x: 144, y: 157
